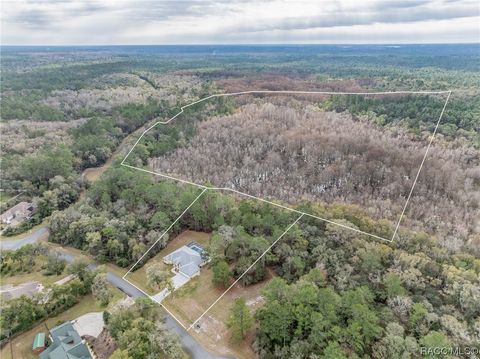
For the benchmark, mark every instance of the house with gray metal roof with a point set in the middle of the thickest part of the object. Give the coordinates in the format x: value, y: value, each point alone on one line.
x: 17, y: 214
x: 186, y: 260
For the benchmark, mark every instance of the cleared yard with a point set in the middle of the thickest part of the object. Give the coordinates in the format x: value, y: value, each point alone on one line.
x: 190, y: 301
x: 22, y: 344
x: 139, y: 277
x: 4, y: 197
x: 35, y: 275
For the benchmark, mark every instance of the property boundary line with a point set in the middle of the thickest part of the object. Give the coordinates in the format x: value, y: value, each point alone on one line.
x: 241, y: 276
x: 421, y: 165
x: 165, y: 232
x: 301, y: 213
x: 182, y: 108
x: 156, y: 301
x: 286, y: 92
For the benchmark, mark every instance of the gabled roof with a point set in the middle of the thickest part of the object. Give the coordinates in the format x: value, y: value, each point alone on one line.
x: 39, y: 341
x: 67, y: 344
x: 187, y: 260
x: 21, y: 209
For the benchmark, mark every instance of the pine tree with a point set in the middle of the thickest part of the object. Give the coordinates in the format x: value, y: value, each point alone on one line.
x: 240, y: 319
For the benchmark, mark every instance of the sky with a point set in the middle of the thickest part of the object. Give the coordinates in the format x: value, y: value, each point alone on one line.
x: 137, y: 22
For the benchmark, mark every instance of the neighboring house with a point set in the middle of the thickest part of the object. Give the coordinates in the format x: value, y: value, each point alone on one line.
x: 17, y: 214
x: 186, y: 260
x: 66, y: 344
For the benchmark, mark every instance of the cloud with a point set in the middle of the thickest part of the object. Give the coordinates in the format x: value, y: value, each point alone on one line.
x: 224, y: 21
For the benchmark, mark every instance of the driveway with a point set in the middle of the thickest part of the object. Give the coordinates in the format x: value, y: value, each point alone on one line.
x: 190, y: 345
x: 12, y: 244
x: 28, y: 289
x: 89, y: 324
x: 178, y: 280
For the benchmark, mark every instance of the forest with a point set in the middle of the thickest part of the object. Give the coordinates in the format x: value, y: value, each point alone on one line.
x: 331, y: 292
x: 336, y: 293
x: 294, y: 152
x: 53, y: 136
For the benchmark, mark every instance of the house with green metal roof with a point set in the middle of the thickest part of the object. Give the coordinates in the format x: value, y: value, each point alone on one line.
x: 66, y: 344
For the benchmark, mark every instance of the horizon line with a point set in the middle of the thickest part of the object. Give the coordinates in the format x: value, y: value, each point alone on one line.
x: 252, y: 44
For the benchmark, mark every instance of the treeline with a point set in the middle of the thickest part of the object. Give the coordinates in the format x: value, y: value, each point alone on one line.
x: 356, y: 298
x: 126, y: 212
x: 291, y: 152
x: 418, y: 112
x: 47, y: 178
x: 165, y: 138
x: 338, y: 294
x: 20, y: 314
x: 72, y: 76
x: 140, y: 332
x: 51, y: 176
x: 27, y: 259
x: 27, y: 107
x: 116, y: 222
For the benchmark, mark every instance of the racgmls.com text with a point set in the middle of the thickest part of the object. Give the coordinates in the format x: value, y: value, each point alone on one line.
x: 472, y: 351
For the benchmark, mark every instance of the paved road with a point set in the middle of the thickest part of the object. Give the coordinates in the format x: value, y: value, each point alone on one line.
x: 12, y: 244
x: 189, y: 344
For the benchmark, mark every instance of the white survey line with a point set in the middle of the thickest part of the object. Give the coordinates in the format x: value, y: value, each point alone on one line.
x: 156, y: 301
x: 251, y: 266
x: 261, y: 200
x: 169, y: 312
x: 421, y: 165
x: 205, y: 188
x: 138, y: 140
x: 300, y: 212
x: 166, y: 176
x: 182, y: 108
x: 165, y: 232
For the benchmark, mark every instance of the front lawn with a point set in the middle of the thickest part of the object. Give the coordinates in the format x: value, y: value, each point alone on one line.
x: 34, y: 274
x: 21, y: 345
x: 191, y: 301
x: 139, y: 277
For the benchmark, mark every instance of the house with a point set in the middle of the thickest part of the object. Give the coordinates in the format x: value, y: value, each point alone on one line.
x: 38, y: 345
x: 17, y: 214
x: 66, y: 344
x: 187, y: 260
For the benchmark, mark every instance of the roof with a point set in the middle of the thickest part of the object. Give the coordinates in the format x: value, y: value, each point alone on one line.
x: 187, y: 260
x: 67, y: 344
x: 17, y: 213
x: 19, y: 207
x: 39, y: 341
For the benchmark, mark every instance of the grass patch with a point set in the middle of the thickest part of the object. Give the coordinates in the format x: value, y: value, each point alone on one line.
x: 191, y: 300
x: 4, y: 197
x: 34, y: 275
x: 22, y: 344
x: 139, y: 277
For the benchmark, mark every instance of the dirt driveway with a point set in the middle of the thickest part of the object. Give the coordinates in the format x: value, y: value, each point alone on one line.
x: 10, y: 291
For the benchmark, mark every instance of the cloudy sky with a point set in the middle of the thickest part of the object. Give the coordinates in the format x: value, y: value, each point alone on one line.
x: 91, y: 22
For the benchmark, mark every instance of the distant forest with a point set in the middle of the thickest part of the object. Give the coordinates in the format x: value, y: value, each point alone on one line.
x: 351, y: 159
